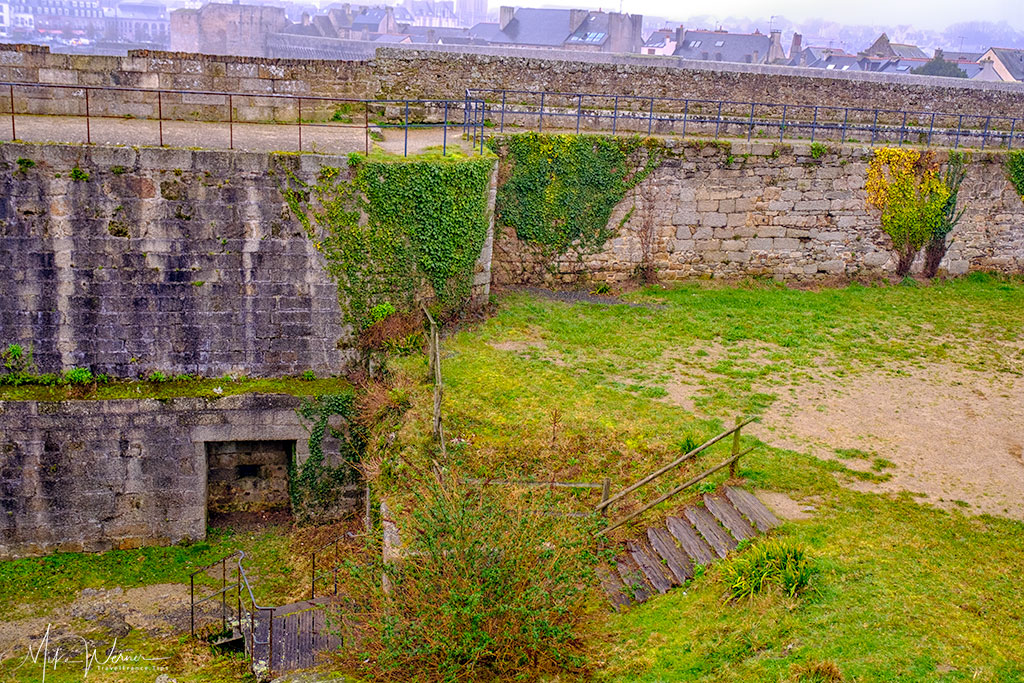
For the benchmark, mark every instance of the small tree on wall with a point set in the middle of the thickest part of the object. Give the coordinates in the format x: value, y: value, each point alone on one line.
x: 904, y: 185
x: 935, y: 250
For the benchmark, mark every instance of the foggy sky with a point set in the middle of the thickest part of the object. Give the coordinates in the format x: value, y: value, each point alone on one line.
x: 933, y: 14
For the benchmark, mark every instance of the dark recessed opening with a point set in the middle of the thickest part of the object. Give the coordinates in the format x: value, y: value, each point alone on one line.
x: 244, y: 471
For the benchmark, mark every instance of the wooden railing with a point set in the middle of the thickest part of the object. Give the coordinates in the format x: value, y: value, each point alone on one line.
x: 735, y: 455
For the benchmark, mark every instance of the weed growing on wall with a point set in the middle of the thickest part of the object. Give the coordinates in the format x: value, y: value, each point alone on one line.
x: 559, y: 190
x: 904, y: 185
x: 395, y: 230
x: 1015, y: 170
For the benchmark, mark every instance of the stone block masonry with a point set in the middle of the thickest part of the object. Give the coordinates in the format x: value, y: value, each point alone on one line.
x: 97, y: 475
x: 133, y: 260
x: 763, y: 209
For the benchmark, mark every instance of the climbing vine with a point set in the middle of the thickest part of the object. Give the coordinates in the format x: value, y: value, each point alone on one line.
x: 559, y: 190
x: 387, y: 228
x: 904, y: 185
x: 1015, y: 170
x: 314, y: 484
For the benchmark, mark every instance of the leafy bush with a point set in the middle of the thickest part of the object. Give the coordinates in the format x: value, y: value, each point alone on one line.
x: 956, y: 171
x: 78, y: 175
x: 772, y: 564
x: 308, y: 376
x: 1015, y: 170
x: 904, y: 185
x: 157, y: 376
x: 18, y: 363
x: 818, y: 150
x: 80, y: 376
x: 380, y: 311
x: 485, y: 590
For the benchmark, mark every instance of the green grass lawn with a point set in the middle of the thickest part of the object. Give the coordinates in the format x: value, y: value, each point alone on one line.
x: 903, y: 592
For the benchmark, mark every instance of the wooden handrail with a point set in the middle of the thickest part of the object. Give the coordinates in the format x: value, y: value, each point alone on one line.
x: 654, y: 475
x: 676, y: 490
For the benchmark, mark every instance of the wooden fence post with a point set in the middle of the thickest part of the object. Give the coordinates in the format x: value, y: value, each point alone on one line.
x: 605, y: 492
x: 735, y: 448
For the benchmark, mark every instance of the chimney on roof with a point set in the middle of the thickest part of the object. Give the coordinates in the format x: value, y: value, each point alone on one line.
x: 776, y: 54
x: 796, y: 49
x: 505, y: 17
x: 576, y: 18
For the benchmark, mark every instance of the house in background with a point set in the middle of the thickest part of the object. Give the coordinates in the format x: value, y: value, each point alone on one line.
x: 722, y: 46
x: 1007, y: 63
x: 660, y: 42
x: 563, y: 29
x: 5, y: 20
x: 143, y: 22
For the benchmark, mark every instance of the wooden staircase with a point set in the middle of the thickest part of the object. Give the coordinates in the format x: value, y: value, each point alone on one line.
x: 666, y: 556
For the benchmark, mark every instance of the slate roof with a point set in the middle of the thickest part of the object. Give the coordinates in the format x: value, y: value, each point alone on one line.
x: 529, y: 26
x: 370, y: 19
x: 593, y: 31
x: 951, y: 56
x: 659, y: 38
x: 838, y: 63
x: 488, y: 31
x: 903, y: 50
x: 723, y: 47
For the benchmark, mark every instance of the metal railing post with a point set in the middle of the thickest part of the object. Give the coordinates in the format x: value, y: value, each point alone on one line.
x: 650, y: 118
x: 160, y: 114
x: 903, y: 128
x: 14, y: 133
x: 503, y: 93
x: 686, y: 111
x: 615, y: 115
x: 444, y: 135
x: 541, y: 120
x: 782, y: 126
x: 959, y: 123
x: 874, y: 128
x: 312, y: 577
x: 735, y: 447
x: 366, y: 127
x: 984, y: 133
x: 814, y: 124
x: 223, y: 596
x: 405, y: 151
x: 231, y: 123
x: 846, y: 118
x: 718, y: 121
x: 88, y: 127
x: 300, y: 124
x: 192, y: 604
x: 750, y: 131
x: 579, y: 112
x: 1013, y: 125
x: 931, y: 128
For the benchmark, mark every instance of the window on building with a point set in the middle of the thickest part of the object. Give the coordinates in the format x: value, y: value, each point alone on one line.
x: 719, y: 43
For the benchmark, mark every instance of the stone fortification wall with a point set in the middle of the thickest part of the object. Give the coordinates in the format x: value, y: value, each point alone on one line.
x: 770, y: 210
x: 405, y: 73
x: 131, y: 260
x: 96, y: 475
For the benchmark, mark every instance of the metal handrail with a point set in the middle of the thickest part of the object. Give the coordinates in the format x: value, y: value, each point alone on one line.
x: 473, y: 110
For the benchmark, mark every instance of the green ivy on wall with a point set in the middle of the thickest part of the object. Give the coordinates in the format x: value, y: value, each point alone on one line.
x: 1015, y: 169
x: 387, y: 227
x: 560, y: 190
x: 314, y: 484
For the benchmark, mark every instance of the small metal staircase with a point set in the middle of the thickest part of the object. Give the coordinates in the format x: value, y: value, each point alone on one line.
x: 665, y: 556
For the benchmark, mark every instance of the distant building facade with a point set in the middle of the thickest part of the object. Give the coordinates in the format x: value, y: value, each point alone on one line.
x: 558, y: 29
x: 722, y: 46
x: 66, y: 19
x: 143, y: 22
x: 1007, y: 63
x: 224, y: 29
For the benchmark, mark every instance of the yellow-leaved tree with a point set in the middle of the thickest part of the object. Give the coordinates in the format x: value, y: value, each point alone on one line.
x: 905, y: 186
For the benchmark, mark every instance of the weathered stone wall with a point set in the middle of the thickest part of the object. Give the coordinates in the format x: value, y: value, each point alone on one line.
x: 172, y: 260
x: 771, y: 210
x: 96, y: 475
x: 430, y: 73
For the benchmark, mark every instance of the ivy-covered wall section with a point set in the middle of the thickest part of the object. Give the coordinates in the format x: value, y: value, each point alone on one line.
x: 396, y: 231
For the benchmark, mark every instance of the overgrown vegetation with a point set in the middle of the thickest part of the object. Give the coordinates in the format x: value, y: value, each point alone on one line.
x: 315, y: 485
x: 560, y: 189
x: 392, y: 229
x: 484, y: 588
x: 904, y: 185
x: 953, y: 177
x: 20, y: 370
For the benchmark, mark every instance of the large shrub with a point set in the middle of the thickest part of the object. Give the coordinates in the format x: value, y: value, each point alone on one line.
x: 485, y: 588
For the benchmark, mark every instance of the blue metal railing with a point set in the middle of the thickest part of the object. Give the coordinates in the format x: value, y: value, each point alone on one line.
x: 744, y: 119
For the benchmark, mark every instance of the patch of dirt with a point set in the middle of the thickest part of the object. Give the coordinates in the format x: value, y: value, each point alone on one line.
x: 953, y: 435
x: 103, y: 614
x: 518, y: 346
x: 785, y: 507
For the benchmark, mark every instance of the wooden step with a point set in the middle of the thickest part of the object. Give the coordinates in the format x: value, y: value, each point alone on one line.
x: 719, y: 506
x: 633, y: 579
x: 717, y: 537
x: 747, y: 503
x: 613, y: 587
x: 690, y: 541
x: 678, y: 563
x: 650, y: 565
